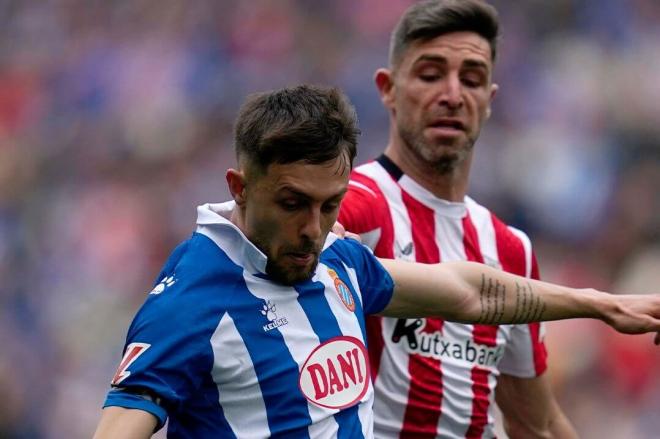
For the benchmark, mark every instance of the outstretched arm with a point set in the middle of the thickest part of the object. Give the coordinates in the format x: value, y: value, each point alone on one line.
x: 125, y: 423
x: 529, y: 409
x: 475, y: 293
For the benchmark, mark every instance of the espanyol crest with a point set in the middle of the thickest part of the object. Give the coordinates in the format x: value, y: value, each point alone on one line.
x: 343, y: 291
x: 336, y: 373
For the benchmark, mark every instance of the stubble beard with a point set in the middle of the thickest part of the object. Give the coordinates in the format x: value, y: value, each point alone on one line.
x: 289, y: 275
x: 442, y: 158
x: 279, y: 272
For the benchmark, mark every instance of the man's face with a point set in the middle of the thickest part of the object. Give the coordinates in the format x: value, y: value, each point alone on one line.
x: 440, y: 96
x: 289, y: 211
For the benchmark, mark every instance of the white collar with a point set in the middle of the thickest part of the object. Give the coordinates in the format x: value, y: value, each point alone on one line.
x: 213, y: 221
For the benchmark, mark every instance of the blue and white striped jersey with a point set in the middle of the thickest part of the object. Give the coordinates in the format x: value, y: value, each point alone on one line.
x: 232, y: 354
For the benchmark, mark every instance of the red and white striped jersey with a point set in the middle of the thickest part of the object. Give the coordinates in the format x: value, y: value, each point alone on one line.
x: 436, y: 379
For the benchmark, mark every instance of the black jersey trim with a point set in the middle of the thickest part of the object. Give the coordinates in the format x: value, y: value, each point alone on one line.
x: 390, y: 167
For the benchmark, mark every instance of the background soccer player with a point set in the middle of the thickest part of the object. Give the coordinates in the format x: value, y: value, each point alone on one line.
x: 411, y: 203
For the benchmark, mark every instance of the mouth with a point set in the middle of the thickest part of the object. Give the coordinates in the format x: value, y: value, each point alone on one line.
x: 447, y: 124
x: 301, y: 258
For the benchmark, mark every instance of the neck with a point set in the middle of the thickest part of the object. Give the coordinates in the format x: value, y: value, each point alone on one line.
x: 450, y: 184
x: 237, y: 218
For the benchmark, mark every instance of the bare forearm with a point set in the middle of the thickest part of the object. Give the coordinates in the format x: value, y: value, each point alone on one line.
x: 504, y: 298
x: 530, y: 410
x: 561, y: 428
x: 476, y: 293
x: 125, y: 423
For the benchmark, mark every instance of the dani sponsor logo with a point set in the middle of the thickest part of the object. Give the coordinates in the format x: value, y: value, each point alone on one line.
x: 336, y: 373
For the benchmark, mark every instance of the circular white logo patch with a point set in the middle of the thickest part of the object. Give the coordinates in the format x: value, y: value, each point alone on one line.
x: 336, y: 373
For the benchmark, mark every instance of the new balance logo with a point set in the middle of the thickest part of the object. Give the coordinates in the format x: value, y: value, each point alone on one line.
x: 407, y: 250
x: 269, y: 310
x: 492, y: 262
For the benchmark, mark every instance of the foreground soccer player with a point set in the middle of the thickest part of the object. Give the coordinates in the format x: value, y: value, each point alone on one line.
x: 256, y: 325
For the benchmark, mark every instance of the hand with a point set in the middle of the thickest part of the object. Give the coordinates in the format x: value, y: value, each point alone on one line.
x: 340, y: 231
x: 635, y: 314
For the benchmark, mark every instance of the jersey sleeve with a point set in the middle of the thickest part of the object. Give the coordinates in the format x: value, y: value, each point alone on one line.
x: 526, y: 354
x: 364, y: 210
x: 167, y: 347
x: 376, y: 284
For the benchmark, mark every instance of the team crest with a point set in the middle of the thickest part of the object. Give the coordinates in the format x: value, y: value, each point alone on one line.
x: 342, y: 290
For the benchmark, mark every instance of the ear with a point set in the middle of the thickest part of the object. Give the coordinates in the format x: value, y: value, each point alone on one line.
x: 493, y: 92
x: 384, y: 80
x: 236, y: 184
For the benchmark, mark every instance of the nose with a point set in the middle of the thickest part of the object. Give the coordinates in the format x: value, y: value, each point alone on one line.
x: 451, y: 93
x: 311, y: 227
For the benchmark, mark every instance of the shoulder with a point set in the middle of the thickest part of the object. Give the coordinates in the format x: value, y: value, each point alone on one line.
x: 347, y: 250
x: 365, y: 205
x: 196, y: 270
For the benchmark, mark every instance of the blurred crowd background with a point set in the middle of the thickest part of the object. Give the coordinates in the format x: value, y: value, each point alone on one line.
x: 115, y: 122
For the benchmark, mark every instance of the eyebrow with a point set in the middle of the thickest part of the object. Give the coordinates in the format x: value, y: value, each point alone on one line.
x: 303, y: 195
x: 471, y: 63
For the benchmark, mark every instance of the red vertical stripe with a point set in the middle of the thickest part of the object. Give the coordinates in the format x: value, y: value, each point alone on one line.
x: 510, y: 250
x: 362, y: 212
x: 480, y: 403
x: 482, y: 334
x: 538, y: 347
x: 512, y: 257
x: 425, y: 394
x: 375, y: 342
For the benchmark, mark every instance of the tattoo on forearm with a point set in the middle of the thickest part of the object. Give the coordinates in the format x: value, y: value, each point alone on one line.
x: 529, y: 307
x: 492, y: 298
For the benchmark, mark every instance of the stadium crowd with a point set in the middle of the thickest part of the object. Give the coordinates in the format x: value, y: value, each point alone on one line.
x: 114, y: 117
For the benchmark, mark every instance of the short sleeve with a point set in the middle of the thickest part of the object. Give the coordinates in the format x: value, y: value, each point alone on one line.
x: 365, y: 211
x: 526, y: 355
x: 167, y: 349
x: 376, y: 284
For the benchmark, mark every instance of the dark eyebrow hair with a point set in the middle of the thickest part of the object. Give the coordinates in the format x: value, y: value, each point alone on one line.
x: 297, y: 193
x: 472, y: 63
x: 432, y: 58
x: 476, y: 63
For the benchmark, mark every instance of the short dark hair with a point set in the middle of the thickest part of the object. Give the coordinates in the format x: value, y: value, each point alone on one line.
x: 429, y: 19
x: 303, y: 123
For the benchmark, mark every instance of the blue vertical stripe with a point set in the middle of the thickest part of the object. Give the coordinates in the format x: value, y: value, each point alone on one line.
x: 317, y: 309
x: 314, y: 303
x: 274, y: 366
x: 359, y: 311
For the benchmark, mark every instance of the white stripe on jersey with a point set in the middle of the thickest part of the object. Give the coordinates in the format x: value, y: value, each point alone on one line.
x: 298, y: 338
x: 483, y: 223
x: 363, y: 187
x: 456, y: 401
x: 348, y: 323
x: 527, y: 244
x: 244, y: 407
x: 390, y: 384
